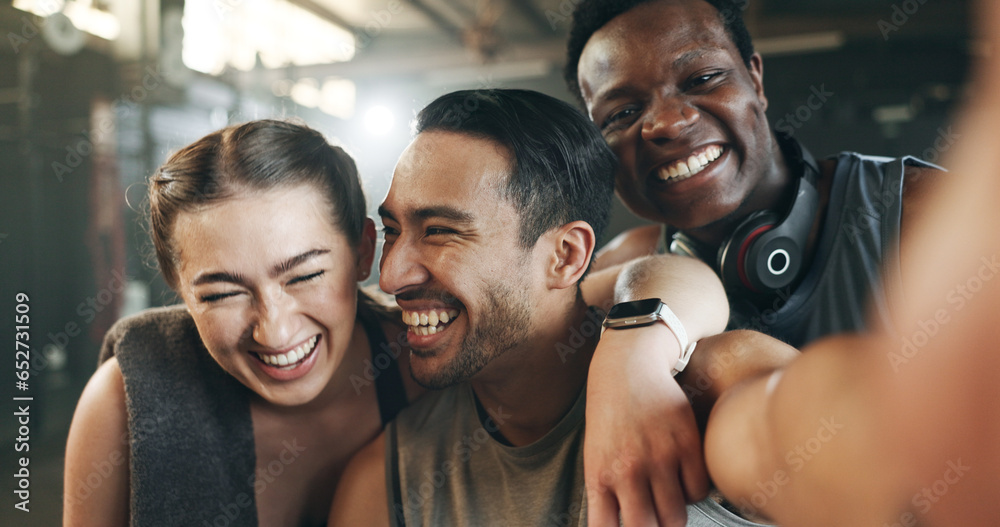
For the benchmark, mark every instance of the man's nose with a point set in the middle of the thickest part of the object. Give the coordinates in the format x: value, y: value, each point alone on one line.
x: 668, y: 118
x: 401, y: 267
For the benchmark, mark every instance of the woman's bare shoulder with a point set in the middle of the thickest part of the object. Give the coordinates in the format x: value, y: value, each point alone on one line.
x: 98, y: 449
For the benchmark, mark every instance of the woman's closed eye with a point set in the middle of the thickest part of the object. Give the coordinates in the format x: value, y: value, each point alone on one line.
x: 215, y: 297
x: 306, y: 278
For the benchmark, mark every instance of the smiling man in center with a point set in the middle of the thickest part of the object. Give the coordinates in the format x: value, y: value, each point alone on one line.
x: 491, y: 221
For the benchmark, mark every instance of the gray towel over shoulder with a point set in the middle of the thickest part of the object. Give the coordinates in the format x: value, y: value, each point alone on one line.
x: 191, y: 436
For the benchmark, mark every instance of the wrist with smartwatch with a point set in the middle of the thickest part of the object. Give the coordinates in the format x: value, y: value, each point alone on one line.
x: 640, y: 313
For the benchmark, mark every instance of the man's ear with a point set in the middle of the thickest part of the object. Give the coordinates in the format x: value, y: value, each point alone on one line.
x: 366, y: 250
x: 573, y: 246
x: 756, y: 69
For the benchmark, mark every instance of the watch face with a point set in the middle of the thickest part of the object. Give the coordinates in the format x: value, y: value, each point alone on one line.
x: 635, y: 308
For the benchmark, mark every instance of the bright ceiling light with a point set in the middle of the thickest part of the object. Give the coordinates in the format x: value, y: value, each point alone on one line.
x: 338, y: 97
x: 82, y: 13
x: 379, y: 120
x: 274, y: 33
x: 306, y: 93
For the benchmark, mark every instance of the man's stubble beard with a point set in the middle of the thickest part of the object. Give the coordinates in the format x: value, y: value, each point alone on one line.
x: 505, y: 324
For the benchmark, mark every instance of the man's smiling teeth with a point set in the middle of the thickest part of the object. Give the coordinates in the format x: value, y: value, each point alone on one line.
x: 291, y: 357
x: 427, y: 322
x: 683, y: 169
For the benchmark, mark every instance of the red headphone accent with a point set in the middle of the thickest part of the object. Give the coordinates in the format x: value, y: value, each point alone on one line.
x: 741, y: 261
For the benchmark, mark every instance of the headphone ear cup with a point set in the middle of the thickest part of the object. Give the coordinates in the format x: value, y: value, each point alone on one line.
x: 737, y: 261
x: 773, y: 261
x: 766, y: 251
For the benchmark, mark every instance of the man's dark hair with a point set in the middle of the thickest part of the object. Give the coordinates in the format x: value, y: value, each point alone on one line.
x: 591, y: 15
x: 561, y: 168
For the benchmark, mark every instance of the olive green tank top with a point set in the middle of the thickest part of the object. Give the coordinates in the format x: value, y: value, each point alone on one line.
x: 443, y: 468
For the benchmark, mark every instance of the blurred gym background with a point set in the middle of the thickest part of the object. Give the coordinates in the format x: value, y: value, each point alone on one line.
x: 94, y: 94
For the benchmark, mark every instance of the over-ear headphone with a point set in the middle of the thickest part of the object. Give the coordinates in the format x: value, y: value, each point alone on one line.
x: 764, y: 253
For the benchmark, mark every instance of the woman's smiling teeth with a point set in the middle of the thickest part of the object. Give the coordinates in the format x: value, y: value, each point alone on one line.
x: 685, y: 168
x: 291, y: 358
x: 428, y: 322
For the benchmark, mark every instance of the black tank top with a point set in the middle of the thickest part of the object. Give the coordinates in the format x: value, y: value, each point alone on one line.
x: 389, y: 386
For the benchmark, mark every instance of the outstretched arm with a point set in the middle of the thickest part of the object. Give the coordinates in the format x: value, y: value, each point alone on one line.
x: 770, y: 439
x: 893, y: 429
x: 726, y: 360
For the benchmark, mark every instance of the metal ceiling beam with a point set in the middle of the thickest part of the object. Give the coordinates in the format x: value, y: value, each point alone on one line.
x: 460, y: 9
x: 392, y: 64
x: 537, y: 18
x: 450, y: 29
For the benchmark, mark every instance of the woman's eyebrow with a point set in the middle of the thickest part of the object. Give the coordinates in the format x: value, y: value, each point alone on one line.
x: 295, y: 261
x: 277, y: 270
x: 222, y: 276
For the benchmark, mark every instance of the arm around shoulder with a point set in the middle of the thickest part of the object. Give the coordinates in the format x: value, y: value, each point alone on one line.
x: 627, y: 246
x: 690, y: 288
x: 361, y: 497
x: 636, y: 411
x: 96, y: 479
x: 598, y: 287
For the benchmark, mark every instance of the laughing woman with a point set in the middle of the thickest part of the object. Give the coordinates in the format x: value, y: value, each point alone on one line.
x: 242, y: 406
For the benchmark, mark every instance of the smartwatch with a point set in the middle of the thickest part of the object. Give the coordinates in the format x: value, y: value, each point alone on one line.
x: 639, y: 313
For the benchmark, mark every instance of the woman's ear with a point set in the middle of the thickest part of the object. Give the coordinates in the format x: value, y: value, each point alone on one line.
x: 366, y: 250
x: 574, y: 245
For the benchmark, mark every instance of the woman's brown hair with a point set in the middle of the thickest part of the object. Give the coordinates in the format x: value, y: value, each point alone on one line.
x: 258, y: 155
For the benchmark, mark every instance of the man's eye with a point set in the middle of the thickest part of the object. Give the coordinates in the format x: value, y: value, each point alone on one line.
x: 306, y: 278
x: 620, y: 118
x: 433, y: 231
x: 701, y: 80
x: 389, y: 231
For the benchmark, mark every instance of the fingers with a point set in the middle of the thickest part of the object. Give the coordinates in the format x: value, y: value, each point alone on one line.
x: 693, y: 471
x: 644, y: 503
x: 669, y: 498
x: 602, y: 506
x: 674, y: 481
x: 637, y: 504
x: 659, y: 493
x: 643, y: 494
x: 683, y: 465
x: 694, y: 479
